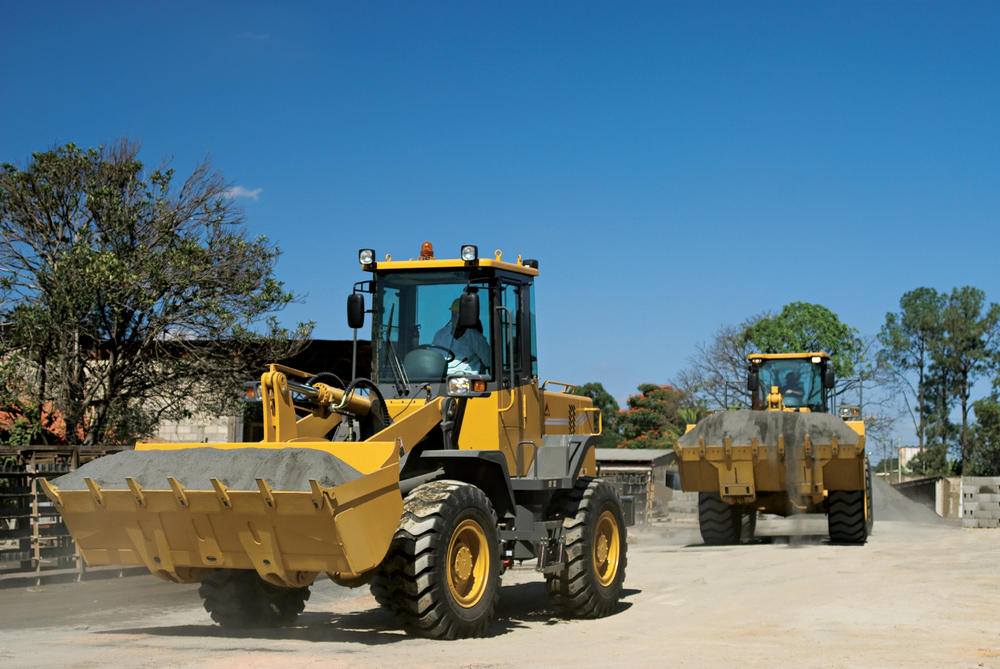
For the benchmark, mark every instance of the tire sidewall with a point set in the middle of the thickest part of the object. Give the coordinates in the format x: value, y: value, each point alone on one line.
x: 605, y: 499
x: 486, y: 601
x: 869, y: 500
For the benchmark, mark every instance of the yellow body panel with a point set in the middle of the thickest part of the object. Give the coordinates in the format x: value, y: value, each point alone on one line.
x: 515, y: 423
x: 565, y: 413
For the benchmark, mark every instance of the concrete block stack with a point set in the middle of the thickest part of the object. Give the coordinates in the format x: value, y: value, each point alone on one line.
x: 981, y: 501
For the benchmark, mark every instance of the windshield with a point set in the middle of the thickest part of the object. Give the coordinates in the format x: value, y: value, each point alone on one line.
x: 416, y: 335
x: 799, y: 381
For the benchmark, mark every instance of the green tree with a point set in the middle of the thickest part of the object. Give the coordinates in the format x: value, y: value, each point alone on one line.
x: 128, y: 300
x: 691, y: 415
x: 932, y: 461
x: 603, y: 400
x: 653, y: 418
x: 984, y: 454
x: 908, y: 340
x: 939, y: 400
x: 968, y: 350
x: 804, y: 327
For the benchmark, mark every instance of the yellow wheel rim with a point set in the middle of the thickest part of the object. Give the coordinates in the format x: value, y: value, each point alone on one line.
x: 468, y: 563
x: 606, y: 549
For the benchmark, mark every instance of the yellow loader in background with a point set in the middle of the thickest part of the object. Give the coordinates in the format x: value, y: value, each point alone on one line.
x: 426, y: 480
x: 785, y: 455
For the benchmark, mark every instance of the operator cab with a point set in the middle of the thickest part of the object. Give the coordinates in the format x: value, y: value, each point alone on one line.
x: 802, y: 379
x: 448, y: 327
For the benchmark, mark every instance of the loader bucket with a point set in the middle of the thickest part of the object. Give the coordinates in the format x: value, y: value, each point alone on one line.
x: 287, y: 511
x: 741, y: 455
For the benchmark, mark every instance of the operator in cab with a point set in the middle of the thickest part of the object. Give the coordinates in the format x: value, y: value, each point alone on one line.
x: 793, y: 387
x: 472, y: 351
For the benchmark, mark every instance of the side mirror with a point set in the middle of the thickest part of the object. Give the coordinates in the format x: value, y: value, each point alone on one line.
x: 355, y: 311
x: 752, y: 381
x: 468, y: 310
x: 829, y: 380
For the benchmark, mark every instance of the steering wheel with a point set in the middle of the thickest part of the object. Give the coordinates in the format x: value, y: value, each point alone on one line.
x: 447, y: 358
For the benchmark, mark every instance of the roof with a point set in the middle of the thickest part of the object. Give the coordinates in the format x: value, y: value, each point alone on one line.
x: 787, y: 356
x: 431, y: 262
x: 634, y: 455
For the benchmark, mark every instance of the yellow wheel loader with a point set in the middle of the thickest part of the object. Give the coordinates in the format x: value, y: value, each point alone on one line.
x: 785, y: 455
x: 426, y: 479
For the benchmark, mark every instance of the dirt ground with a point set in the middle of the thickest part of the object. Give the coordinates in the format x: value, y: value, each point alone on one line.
x: 921, y: 593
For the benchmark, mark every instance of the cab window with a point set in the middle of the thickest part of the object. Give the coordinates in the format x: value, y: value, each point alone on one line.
x: 416, y: 336
x: 798, y: 381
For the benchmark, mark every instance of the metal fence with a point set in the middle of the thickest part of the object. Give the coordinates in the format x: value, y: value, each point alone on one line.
x: 34, y: 543
x: 633, y: 486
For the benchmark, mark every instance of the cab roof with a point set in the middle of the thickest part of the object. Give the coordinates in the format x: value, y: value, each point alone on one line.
x: 429, y: 262
x: 788, y: 356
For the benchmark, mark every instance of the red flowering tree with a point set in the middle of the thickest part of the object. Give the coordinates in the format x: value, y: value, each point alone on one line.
x: 653, y: 417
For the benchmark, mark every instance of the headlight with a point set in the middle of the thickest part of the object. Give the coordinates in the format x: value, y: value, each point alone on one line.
x: 849, y: 411
x: 469, y: 253
x: 467, y: 386
x: 366, y: 256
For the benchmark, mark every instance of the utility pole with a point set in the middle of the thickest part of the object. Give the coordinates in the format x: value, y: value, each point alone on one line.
x: 899, y: 460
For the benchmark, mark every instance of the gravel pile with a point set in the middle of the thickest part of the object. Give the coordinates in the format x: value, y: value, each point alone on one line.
x: 765, y: 426
x: 890, y: 504
x: 237, y: 469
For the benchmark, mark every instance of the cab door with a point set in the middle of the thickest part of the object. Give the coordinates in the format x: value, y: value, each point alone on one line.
x: 520, y: 401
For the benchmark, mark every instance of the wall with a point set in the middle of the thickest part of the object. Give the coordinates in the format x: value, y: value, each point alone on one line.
x: 201, y: 429
x: 922, y: 491
x: 948, y: 497
x: 981, y: 501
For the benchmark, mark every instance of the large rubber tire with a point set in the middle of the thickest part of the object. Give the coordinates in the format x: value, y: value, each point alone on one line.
x: 748, y: 524
x: 241, y: 598
x: 379, y: 587
x: 590, y: 584
x: 442, y: 573
x: 846, y: 516
x: 869, y: 502
x: 723, y: 524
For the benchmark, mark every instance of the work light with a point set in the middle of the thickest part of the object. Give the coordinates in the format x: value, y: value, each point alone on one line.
x: 468, y: 386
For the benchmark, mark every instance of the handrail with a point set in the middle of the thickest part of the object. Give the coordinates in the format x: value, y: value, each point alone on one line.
x: 600, y: 419
x: 510, y: 339
x: 568, y: 388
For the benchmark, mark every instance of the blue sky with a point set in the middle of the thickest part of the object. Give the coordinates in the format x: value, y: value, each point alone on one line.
x: 673, y: 166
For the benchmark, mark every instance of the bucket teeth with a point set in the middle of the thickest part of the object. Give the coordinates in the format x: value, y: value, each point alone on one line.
x: 321, y: 495
x: 136, y: 489
x: 179, y: 492
x: 52, y: 492
x: 95, y: 490
x: 222, y: 493
x: 265, y: 492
